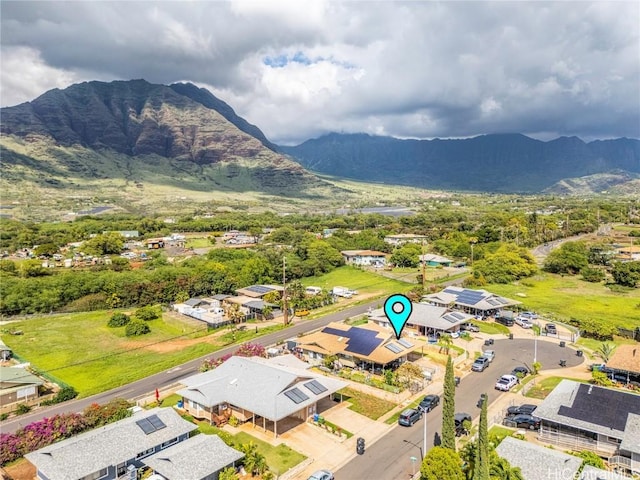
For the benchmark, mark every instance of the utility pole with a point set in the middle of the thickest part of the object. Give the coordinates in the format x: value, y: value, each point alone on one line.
x: 284, y: 291
x: 423, y: 268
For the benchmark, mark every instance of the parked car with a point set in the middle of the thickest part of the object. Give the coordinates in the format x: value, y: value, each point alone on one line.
x: 459, y: 419
x: 506, y: 321
x: 526, y: 408
x: 525, y: 421
x: 529, y: 315
x: 480, y: 364
x: 321, y: 475
x: 506, y: 382
x: 409, y: 416
x: 524, y: 322
x: 470, y: 327
x: 455, y: 334
x: 490, y: 354
x: 520, y: 371
x: 550, y: 328
x: 429, y: 402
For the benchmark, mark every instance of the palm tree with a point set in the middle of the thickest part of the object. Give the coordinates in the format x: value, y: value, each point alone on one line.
x: 501, y: 469
x: 605, y: 351
x: 446, y: 341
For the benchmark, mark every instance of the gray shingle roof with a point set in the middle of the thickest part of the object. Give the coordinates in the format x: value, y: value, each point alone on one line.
x: 110, y: 445
x: 593, y: 473
x: 430, y: 316
x: 631, y: 438
x: 256, y: 386
x: 537, y: 462
x: 570, y: 403
x: 193, y: 459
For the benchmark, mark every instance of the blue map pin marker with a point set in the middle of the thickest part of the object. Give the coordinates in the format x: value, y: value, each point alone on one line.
x: 398, y: 308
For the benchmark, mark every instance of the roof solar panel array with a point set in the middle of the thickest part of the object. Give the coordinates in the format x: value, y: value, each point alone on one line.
x: 394, y: 347
x: 315, y: 387
x: 259, y: 289
x: 361, y: 341
x: 150, y: 424
x: 405, y: 343
x: 296, y: 395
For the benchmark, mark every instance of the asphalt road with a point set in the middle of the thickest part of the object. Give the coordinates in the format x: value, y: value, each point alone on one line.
x: 169, y: 377
x: 389, y: 458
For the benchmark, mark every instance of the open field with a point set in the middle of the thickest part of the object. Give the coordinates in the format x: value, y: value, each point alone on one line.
x: 564, y: 297
x: 356, y: 279
x: 80, y: 350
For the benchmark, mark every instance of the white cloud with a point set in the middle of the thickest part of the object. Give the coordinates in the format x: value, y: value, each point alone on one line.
x: 410, y: 69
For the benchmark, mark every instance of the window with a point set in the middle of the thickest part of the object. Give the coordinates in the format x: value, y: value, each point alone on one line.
x: 145, y: 453
x: 170, y: 442
x: 96, y: 475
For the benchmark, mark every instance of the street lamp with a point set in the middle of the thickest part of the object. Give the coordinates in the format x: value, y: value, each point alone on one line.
x: 417, y: 446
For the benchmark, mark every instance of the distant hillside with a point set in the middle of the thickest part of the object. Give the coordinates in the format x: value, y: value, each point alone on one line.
x: 176, y: 135
x: 494, y: 163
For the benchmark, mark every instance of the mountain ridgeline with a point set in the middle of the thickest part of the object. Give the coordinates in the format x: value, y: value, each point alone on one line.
x: 178, y: 135
x: 490, y: 163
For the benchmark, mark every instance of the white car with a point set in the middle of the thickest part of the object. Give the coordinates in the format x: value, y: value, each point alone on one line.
x: 506, y: 382
x: 524, y: 322
x: 489, y: 354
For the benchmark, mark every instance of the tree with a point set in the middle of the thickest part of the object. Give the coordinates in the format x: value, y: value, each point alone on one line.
x: 118, y: 320
x: 446, y: 341
x: 147, y: 313
x: 501, y: 469
x: 593, y: 275
x: 234, y: 313
x: 448, y: 408
x: 605, y: 350
x: 441, y: 464
x: 254, y: 462
x: 228, y: 473
x: 136, y: 327
x: 626, y: 273
x: 104, y: 244
x: 481, y: 470
x: 46, y: 249
x: 570, y: 258
x: 406, y: 255
x: 508, y: 263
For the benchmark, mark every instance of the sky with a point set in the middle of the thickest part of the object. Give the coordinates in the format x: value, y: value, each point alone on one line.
x: 300, y: 69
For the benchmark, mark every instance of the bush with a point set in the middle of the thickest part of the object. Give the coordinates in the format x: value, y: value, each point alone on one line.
x: 4, y: 416
x: 136, y: 327
x: 147, y: 313
x: 64, y: 394
x: 118, y: 320
x: 593, y: 275
x: 22, y: 409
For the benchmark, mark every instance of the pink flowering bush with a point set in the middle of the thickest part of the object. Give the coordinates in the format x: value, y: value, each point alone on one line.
x: 251, y: 350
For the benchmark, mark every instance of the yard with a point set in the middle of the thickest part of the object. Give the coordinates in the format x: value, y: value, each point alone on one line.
x: 565, y: 297
x: 365, y: 404
x: 362, y: 281
x: 81, y: 351
x: 543, y: 387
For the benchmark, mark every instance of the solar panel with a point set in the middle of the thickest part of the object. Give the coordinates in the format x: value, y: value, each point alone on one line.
x: 493, y: 302
x: 405, y: 343
x: 449, y: 318
x: 296, y: 395
x: 259, y: 289
x: 315, y: 387
x: 394, y: 347
x: 457, y: 315
x: 146, y: 426
x: 156, y: 422
x: 361, y: 341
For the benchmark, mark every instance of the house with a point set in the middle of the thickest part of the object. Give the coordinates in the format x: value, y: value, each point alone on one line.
x: 18, y: 385
x: 198, y: 458
x: 586, y: 417
x: 426, y: 319
x: 155, y: 243
x: 475, y: 302
x: 364, y: 257
x: 369, y: 345
x: 624, y: 364
x: 107, y: 452
x: 261, y: 391
x: 432, y: 260
x: 258, y: 291
x: 537, y: 462
x: 402, y: 238
x: 628, y: 254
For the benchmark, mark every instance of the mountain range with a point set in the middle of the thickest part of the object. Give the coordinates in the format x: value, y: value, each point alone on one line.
x: 183, y: 136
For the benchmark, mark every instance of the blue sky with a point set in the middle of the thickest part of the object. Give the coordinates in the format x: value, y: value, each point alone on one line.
x: 299, y: 70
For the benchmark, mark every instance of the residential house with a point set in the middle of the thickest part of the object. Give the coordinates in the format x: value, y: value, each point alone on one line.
x: 624, y: 364
x: 258, y: 291
x: 628, y: 254
x: 198, y: 458
x: 107, y: 452
x: 537, y: 462
x: 587, y: 417
x: 425, y: 319
x: 475, y: 302
x: 432, y: 260
x: 402, y: 238
x: 5, y: 352
x: 364, y: 257
x: 18, y: 385
x: 593, y: 473
x: 262, y: 391
x: 155, y: 243
x: 366, y: 346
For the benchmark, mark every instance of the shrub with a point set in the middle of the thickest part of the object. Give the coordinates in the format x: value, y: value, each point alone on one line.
x: 118, y: 320
x: 22, y: 409
x: 251, y: 350
x: 136, y: 327
x: 4, y: 416
x: 147, y: 313
x: 233, y: 421
x: 593, y: 275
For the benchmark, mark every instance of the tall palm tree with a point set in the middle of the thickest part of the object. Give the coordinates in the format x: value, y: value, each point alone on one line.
x: 446, y: 341
x: 501, y: 469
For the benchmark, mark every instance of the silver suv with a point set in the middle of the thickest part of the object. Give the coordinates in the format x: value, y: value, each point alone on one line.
x: 480, y: 364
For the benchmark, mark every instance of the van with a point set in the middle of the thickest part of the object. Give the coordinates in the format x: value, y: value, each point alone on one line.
x: 508, y: 322
x: 409, y: 416
x: 312, y: 290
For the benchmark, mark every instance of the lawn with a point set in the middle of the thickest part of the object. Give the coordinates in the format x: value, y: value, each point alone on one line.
x: 542, y: 388
x: 356, y: 279
x: 365, y: 404
x: 492, y: 328
x: 81, y: 351
x: 280, y: 458
x: 565, y: 297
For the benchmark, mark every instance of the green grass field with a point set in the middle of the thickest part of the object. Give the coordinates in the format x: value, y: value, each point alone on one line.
x: 360, y: 280
x: 80, y: 350
x: 563, y: 298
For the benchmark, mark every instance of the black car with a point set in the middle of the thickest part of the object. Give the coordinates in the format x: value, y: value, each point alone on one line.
x: 460, y: 419
x: 429, y: 402
x: 525, y: 421
x: 520, y: 371
x: 526, y: 409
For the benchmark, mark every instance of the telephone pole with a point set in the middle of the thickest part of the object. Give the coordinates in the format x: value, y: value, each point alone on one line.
x: 284, y: 291
x: 423, y: 268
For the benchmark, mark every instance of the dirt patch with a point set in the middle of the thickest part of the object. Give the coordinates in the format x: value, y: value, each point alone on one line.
x: 21, y: 470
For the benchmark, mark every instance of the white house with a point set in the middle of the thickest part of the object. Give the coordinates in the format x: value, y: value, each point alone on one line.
x: 364, y: 257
